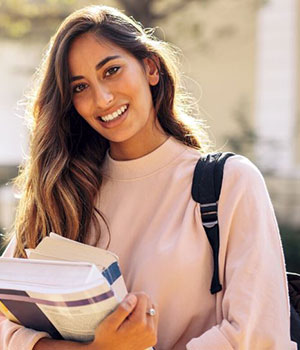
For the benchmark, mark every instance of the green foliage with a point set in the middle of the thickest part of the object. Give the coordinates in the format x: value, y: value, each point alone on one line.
x: 291, y: 246
x: 27, y: 18
x: 40, y: 18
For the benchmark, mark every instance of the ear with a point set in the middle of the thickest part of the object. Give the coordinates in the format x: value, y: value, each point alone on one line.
x: 152, y: 66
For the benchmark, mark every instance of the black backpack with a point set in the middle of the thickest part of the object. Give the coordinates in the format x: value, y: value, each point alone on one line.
x: 206, y: 188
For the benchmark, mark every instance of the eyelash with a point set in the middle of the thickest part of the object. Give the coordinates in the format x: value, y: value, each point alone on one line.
x: 77, y: 86
x: 111, y: 71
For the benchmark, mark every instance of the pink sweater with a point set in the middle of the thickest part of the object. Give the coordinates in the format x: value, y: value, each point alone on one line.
x: 157, y: 233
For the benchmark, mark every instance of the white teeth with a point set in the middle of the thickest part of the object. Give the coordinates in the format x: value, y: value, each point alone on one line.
x: 115, y: 114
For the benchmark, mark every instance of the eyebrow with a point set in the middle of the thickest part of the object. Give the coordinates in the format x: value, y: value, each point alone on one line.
x: 98, y: 66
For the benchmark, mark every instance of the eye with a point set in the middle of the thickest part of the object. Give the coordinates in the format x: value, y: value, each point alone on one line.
x: 79, y: 88
x: 112, y: 71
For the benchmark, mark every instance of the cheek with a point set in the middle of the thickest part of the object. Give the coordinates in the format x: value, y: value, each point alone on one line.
x: 137, y: 85
x: 142, y: 94
x: 81, y: 106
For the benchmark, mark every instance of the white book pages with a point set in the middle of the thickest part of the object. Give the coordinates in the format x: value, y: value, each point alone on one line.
x: 76, y: 315
x: 118, y: 286
x: 56, y: 245
x: 38, y: 275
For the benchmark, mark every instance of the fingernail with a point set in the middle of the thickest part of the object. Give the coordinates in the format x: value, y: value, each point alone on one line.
x: 130, y: 299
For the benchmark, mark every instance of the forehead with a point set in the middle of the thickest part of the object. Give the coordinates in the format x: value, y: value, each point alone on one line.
x: 87, y: 50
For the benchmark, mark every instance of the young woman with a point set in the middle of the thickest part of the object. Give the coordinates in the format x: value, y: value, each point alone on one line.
x: 112, y: 156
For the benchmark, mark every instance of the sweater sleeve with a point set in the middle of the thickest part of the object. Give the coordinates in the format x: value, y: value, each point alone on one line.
x: 253, y: 308
x: 12, y: 335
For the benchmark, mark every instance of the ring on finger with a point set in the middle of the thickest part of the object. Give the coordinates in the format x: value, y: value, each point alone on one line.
x: 151, y: 312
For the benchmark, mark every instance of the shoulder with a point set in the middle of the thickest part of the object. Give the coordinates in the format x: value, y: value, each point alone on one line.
x: 245, y: 203
x: 240, y: 170
x: 243, y: 181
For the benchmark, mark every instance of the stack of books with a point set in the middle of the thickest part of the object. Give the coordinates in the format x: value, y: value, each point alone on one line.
x: 64, y: 288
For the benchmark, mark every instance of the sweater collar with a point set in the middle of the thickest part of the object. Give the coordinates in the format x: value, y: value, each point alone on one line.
x: 146, y: 165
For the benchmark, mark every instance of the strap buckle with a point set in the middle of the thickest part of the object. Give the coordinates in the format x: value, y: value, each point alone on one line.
x: 209, y: 214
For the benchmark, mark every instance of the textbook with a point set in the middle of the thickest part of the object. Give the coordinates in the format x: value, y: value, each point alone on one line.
x: 64, y: 288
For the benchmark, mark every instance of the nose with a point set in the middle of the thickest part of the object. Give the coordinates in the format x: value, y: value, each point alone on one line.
x: 103, y: 96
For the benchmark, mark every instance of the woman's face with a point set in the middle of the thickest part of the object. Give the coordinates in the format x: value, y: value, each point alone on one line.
x: 111, y: 89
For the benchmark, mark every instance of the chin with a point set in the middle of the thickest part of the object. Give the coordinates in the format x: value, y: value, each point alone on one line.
x: 118, y: 138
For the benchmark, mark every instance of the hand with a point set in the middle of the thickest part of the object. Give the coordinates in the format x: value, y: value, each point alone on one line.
x: 129, y: 327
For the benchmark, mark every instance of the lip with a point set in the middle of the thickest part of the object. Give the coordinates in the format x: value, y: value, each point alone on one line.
x: 115, y: 122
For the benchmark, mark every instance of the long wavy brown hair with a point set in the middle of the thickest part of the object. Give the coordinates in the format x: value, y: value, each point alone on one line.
x: 61, y: 178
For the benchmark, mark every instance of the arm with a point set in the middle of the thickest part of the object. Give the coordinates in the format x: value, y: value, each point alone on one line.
x: 15, y: 337
x: 253, y: 310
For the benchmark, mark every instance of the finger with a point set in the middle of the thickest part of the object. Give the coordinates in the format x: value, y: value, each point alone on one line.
x: 152, y: 319
x: 139, y: 313
x: 124, y: 309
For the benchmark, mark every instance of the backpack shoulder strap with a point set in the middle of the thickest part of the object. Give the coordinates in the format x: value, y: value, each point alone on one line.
x: 206, y: 188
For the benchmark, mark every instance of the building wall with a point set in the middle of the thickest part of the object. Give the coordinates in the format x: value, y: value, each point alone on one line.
x: 277, y: 108
x: 297, y: 128
x: 276, y: 81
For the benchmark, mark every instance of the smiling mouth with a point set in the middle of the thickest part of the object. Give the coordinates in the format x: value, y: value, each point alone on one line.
x: 109, y: 117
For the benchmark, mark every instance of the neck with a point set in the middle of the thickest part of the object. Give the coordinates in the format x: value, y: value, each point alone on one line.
x: 137, y: 147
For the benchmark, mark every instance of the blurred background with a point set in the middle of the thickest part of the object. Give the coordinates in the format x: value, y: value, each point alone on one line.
x: 241, y: 59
